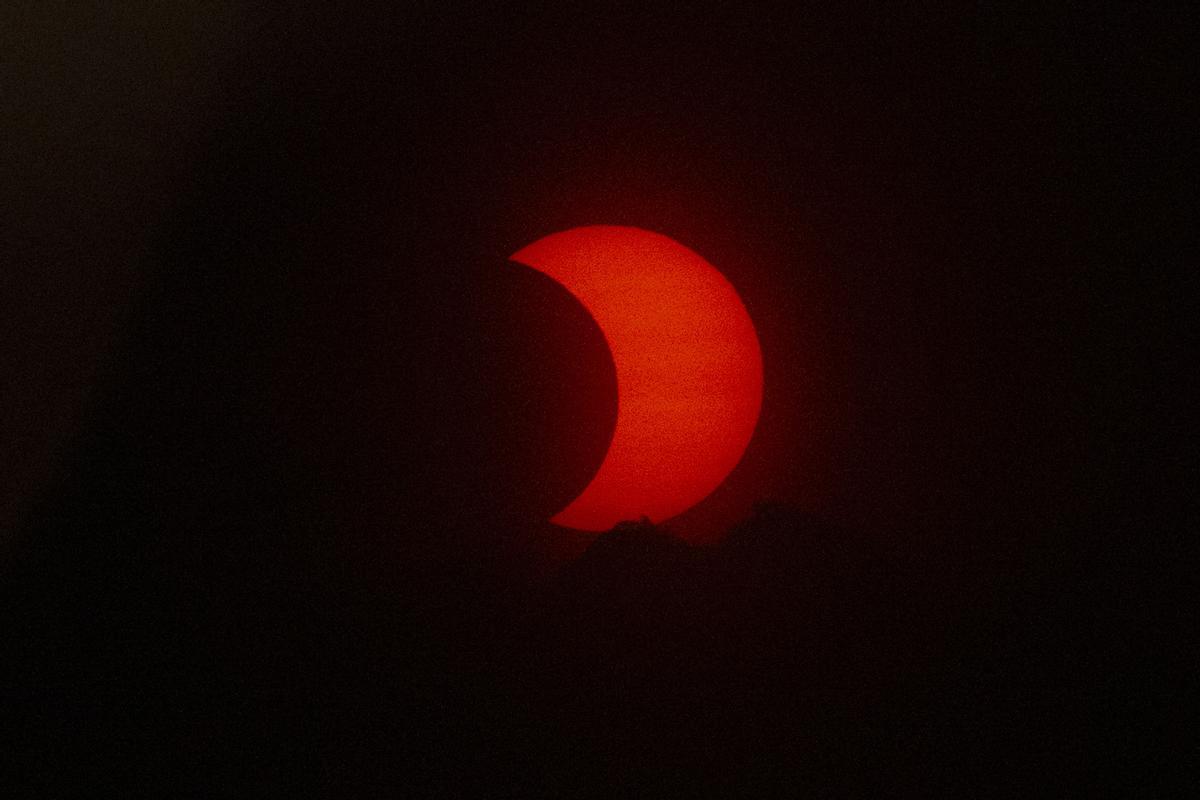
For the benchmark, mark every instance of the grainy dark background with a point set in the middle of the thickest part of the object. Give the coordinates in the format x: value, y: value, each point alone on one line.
x: 281, y: 425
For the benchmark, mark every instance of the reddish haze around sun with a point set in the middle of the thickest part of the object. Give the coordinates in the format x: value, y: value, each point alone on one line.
x: 688, y: 367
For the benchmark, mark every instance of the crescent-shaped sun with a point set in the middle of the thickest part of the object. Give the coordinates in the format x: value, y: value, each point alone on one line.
x: 688, y: 368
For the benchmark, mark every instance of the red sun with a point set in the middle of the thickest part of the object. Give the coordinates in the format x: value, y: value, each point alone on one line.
x: 688, y: 367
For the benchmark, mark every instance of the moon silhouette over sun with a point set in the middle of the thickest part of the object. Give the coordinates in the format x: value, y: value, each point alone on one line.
x: 688, y: 368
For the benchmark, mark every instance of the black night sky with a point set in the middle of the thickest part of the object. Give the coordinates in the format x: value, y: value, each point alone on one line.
x: 282, y: 426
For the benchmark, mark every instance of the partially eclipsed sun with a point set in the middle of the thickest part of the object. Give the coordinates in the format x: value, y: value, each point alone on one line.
x: 688, y: 367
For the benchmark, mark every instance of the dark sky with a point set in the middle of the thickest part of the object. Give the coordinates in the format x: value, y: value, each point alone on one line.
x: 260, y: 326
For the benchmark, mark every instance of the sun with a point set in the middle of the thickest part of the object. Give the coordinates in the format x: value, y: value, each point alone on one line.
x: 688, y: 366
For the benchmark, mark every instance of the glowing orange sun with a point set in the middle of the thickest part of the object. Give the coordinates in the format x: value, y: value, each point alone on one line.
x: 688, y: 366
